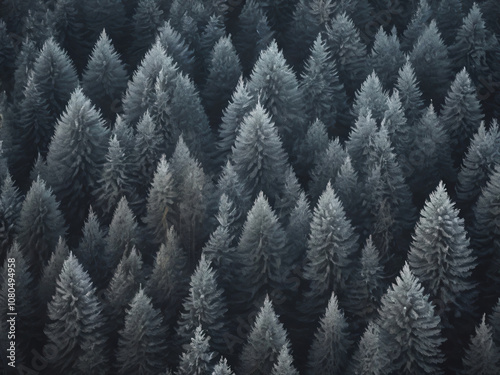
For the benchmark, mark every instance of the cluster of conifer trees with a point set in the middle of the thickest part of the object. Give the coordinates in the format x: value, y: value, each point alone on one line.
x: 251, y: 187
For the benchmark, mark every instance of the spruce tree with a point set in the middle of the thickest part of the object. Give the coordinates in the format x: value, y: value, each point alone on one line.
x: 75, y: 342
x: 11, y: 202
x: 343, y: 41
x: 24, y: 65
x: 482, y: 356
x: 142, y: 345
x: 213, y: 31
x: 369, y: 358
x: 332, y: 246
x: 222, y: 368
x: 361, y: 135
x: 297, y: 229
x: 177, y: 47
x: 405, y: 313
x: 275, y: 84
x: 420, y: 20
x: 105, y: 78
x: 494, y: 322
x: 314, y: 144
x: 440, y: 255
x: 324, y: 96
x: 386, y: 57
x: 449, y: 17
x: 99, y: 14
x: 258, y: 156
x: 76, y: 154
x: 224, y: 72
x: 328, y: 352
x: 48, y: 279
x: 284, y: 363
x: 410, y: 94
x: 461, y: 115
x: 264, y: 343
x: 198, y: 357
x: 7, y: 56
x: 40, y: 225
x: 370, y: 98
x: 429, y: 58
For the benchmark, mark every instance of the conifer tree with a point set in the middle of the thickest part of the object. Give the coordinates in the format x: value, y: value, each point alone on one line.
x: 483, y: 355
x: 24, y: 65
x: 343, y: 41
x: 213, y: 31
x: 264, y: 343
x: 142, y: 345
x: 461, y: 115
x: 370, y: 98
x: 289, y: 196
x: 429, y: 58
x: 490, y: 9
x: 222, y: 368
x: 284, y: 363
x: 314, y: 144
x: 74, y: 332
x: 254, y: 35
x: 177, y: 47
x: 7, y: 55
x: 205, y: 306
x: 410, y: 94
x: 369, y: 358
x: 11, y: 202
x: 40, y: 225
x: 445, y: 267
x: 76, y: 154
x: 233, y: 115
x: 105, y: 78
x: 328, y: 353
x: 258, y: 156
x: 198, y: 357
x: 407, y: 312
x: 332, y: 246
x: 386, y: 57
x: 107, y: 14
x: 224, y: 72
x: 420, y: 20
x: 122, y: 234
x: 275, y: 84
x: 494, y: 322
x: 449, y: 17
x: 51, y: 271
x: 91, y: 251
x: 361, y: 135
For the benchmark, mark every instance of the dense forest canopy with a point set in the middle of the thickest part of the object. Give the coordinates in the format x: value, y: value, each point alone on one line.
x: 254, y: 187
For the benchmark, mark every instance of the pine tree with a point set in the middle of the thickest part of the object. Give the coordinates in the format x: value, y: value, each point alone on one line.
x: 48, y: 280
x: 222, y: 368
x: 386, y: 57
x: 105, y: 78
x: 343, y: 41
x: 328, y: 353
x: 405, y: 313
x: 478, y: 164
x: 198, y: 357
x: 264, y: 343
x: 40, y: 225
x: 148, y: 17
x: 11, y: 202
x: 483, y: 355
x: 461, y: 115
x: 122, y: 234
x: 370, y: 98
x: 429, y: 58
x: 75, y: 156
x: 332, y: 246
x: 224, y: 72
x: 74, y: 339
x: 258, y: 156
x: 449, y: 17
x: 410, y: 94
x: 275, y: 84
x: 420, y: 20
x: 176, y: 47
x: 361, y: 135
x: 253, y: 36
x: 142, y: 345
x: 324, y: 96
x: 369, y: 359
x: 91, y: 251
x: 284, y: 363
x: 445, y: 267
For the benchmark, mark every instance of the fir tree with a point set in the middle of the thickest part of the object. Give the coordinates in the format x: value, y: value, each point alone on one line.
x: 105, y: 78
x: 332, y: 246
x: 176, y: 47
x: 324, y: 96
x: 91, y: 251
x: 369, y: 359
x: 213, y: 31
x: 264, y: 343
x: 276, y: 85
x: 461, y: 115
x: 40, y: 225
x: 105, y: 14
x: 24, y: 65
x: 253, y: 36
x: 11, y: 202
x: 198, y: 357
x: 370, y: 98
x: 429, y: 58
x: 328, y: 353
x: 494, y: 322
x: 284, y: 363
x: 343, y: 41
x: 224, y: 72
x: 420, y: 20
x: 51, y: 272
x: 445, y: 267
x: 407, y: 312
x: 386, y: 57
x: 74, y: 339
x: 258, y: 156
x: 483, y: 355
x: 222, y: 368
x: 142, y: 345
x: 449, y: 16
x: 410, y: 94
x: 361, y: 135
x: 7, y: 55
x: 76, y: 154
x: 314, y: 144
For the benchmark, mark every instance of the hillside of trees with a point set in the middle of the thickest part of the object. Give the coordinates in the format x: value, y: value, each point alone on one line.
x: 250, y: 187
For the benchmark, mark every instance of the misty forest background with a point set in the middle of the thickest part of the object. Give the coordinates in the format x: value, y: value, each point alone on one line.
x: 251, y: 187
